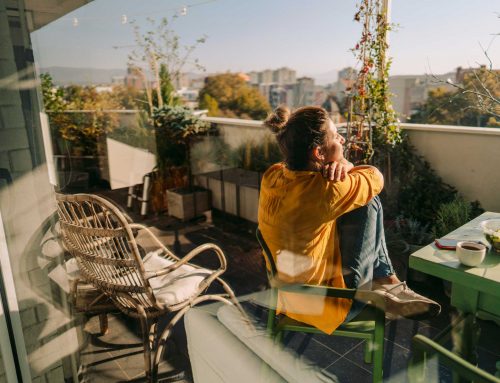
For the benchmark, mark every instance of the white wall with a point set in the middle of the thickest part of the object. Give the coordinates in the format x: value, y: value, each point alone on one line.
x: 466, y: 158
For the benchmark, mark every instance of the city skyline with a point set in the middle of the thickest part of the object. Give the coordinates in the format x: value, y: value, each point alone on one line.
x: 100, y: 76
x: 314, y: 37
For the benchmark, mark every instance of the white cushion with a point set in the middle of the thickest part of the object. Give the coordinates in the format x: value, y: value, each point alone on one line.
x: 72, y: 269
x: 176, y: 286
x: 291, y: 366
x: 217, y: 356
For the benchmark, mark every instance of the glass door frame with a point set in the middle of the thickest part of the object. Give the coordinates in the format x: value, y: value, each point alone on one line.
x: 12, y: 346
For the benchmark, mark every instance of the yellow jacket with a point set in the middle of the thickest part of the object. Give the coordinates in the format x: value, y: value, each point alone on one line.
x: 297, y: 218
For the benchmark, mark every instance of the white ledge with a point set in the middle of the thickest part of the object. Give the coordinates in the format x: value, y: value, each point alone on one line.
x: 118, y: 111
x: 406, y: 126
x: 452, y: 129
x: 234, y: 121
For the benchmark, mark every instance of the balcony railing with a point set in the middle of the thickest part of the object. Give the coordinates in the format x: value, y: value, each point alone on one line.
x: 465, y: 157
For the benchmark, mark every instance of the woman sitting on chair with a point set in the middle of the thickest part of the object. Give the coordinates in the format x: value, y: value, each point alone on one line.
x: 322, y: 219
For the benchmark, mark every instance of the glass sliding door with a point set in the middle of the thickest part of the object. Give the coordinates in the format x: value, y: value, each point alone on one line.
x: 40, y: 337
x: 12, y: 350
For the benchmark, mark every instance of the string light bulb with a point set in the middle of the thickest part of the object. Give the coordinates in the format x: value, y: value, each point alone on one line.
x: 183, y: 11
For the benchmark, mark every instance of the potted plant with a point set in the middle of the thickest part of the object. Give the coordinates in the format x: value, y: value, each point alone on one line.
x: 80, y: 121
x: 160, y: 57
x: 409, y: 235
x: 175, y: 128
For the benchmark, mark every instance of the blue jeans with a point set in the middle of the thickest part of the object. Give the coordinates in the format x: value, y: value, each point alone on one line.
x: 363, y: 249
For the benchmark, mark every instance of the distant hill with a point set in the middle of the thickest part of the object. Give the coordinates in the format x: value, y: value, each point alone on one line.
x: 82, y: 76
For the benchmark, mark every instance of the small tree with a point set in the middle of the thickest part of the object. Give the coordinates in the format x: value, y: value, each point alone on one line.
x: 211, y: 104
x: 481, y: 88
x: 53, y: 97
x: 474, y: 101
x: 233, y: 97
x: 478, y: 89
x: 78, y: 115
x: 161, y: 57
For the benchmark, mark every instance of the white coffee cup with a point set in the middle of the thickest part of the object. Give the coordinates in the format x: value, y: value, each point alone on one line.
x: 470, y: 253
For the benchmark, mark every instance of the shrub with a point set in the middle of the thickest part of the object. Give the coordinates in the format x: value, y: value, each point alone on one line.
x: 454, y: 214
x: 412, y: 231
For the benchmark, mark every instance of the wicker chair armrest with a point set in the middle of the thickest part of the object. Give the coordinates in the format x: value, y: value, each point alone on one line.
x: 193, y: 253
x: 206, y: 247
x: 209, y: 279
x: 138, y: 226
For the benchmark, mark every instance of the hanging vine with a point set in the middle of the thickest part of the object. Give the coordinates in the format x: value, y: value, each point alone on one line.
x: 372, y: 121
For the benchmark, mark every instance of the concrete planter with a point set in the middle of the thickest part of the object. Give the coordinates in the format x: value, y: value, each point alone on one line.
x: 186, y: 205
x: 234, y: 191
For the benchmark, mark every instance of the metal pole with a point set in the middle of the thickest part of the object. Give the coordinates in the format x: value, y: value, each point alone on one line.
x: 145, y: 194
x: 386, y: 11
x: 386, y: 7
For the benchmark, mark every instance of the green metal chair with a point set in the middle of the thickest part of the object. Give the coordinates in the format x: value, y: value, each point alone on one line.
x: 424, y: 349
x: 368, y: 325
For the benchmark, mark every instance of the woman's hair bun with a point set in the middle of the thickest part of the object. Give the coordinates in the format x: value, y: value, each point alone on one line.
x: 277, y: 120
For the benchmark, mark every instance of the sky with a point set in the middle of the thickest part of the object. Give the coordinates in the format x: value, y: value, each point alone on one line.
x: 311, y: 36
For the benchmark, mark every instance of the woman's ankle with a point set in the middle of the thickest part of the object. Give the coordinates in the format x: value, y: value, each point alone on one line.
x: 389, y: 280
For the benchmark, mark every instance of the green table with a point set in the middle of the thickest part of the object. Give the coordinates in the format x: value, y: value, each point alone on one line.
x: 474, y: 290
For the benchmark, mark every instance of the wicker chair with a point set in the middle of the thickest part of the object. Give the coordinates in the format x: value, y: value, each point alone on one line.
x: 98, y: 235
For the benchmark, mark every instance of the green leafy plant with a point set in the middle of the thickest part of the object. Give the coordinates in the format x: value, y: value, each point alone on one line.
x: 412, y: 231
x: 257, y: 156
x: 175, y: 127
x: 53, y: 97
x: 139, y: 134
x: 161, y: 56
x: 78, y: 116
x: 454, y: 214
x: 212, y: 152
x: 372, y: 121
x: 416, y: 190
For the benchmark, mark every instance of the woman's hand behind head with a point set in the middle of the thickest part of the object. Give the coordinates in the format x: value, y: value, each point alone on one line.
x: 336, y: 170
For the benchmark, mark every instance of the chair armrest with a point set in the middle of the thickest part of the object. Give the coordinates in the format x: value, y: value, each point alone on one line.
x: 155, y: 239
x: 193, y: 253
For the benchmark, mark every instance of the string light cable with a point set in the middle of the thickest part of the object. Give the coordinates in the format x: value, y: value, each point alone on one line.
x: 125, y: 19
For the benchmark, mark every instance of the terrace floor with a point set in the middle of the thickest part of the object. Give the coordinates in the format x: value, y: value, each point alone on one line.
x: 117, y: 356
